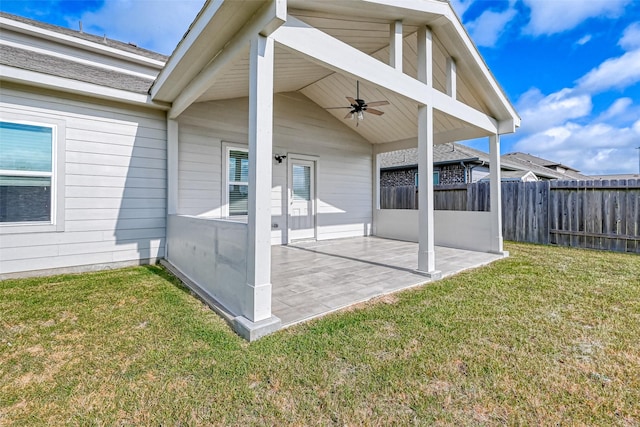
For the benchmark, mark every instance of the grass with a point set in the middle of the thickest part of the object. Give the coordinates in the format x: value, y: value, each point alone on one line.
x: 547, y: 336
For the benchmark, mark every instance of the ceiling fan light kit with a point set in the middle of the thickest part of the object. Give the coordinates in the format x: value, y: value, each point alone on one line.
x: 359, y: 106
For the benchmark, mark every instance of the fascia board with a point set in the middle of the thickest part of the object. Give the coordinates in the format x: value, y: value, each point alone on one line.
x: 35, y: 79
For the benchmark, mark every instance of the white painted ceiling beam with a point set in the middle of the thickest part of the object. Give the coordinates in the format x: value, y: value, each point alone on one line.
x: 329, y: 52
x: 395, y: 45
x: 446, y: 104
x: 265, y: 22
x: 452, y: 78
x: 425, y: 56
x: 461, y: 134
x: 321, y: 48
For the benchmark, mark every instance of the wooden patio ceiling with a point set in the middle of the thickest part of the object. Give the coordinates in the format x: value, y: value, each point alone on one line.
x: 326, y: 88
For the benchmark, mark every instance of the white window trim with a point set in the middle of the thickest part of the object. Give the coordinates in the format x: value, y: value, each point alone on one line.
x: 226, y: 149
x: 58, y: 136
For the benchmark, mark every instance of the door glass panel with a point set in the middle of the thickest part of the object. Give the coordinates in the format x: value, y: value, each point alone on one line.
x: 301, y: 182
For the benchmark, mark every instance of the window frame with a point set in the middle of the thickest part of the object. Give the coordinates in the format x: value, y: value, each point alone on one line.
x: 227, y: 147
x: 58, y: 139
x: 435, y: 174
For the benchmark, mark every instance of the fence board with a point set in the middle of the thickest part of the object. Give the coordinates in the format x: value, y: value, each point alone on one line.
x: 596, y: 214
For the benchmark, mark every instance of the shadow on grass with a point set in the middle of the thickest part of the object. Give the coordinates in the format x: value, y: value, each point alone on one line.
x: 163, y: 273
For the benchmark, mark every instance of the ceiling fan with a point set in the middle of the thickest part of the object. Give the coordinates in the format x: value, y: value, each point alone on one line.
x: 359, y: 106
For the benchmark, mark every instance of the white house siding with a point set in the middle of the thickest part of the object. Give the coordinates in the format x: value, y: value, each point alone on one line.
x: 343, y: 162
x: 115, y: 185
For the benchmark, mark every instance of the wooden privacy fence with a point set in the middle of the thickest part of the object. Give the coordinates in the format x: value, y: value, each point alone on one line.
x: 598, y: 214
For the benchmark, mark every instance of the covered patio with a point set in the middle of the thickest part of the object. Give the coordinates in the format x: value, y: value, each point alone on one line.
x: 311, y: 279
x: 260, y: 152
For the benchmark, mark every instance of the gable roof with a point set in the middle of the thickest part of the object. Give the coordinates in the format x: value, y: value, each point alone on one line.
x: 48, y: 56
x: 103, y: 40
x: 55, y: 66
x: 212, y: 63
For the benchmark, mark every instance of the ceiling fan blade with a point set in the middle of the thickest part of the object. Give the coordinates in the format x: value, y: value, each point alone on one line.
x: 377, y: 103
x: 372, y: 111
x: 335, y: 108
x: 351, y: 100
x: 348, y: 114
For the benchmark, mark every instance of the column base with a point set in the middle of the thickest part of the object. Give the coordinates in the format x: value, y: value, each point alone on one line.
x: 252, y: 331
x: 434, y: 275
x: 505, y: 254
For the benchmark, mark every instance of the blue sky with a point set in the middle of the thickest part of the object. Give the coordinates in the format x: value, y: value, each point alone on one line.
x: 571, y: 67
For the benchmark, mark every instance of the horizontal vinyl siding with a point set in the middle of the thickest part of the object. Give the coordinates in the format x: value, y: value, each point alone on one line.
x: 199, y: 160
x: 115, y: 185
x: 344, y: 162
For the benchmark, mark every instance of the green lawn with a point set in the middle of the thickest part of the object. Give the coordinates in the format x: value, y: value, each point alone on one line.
x: 548, y: 336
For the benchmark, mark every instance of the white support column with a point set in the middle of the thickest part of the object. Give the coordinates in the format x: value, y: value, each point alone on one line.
x: 426, y: 245
x: 172, y: 167
x: 376, y: 184
x: 495, y: 195
x: 257, y: 305
x: 452, y: 78
x: 395, y: 45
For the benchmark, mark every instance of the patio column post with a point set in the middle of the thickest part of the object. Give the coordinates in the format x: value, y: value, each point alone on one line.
x: 172, y: 167
x: 426, y: 240
x: 256, y: 319
x: 495, y: 193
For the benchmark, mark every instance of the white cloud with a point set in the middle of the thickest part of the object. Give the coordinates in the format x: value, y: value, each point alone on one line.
x: 593, y: 149
x: 584, y: 40
x: 554, y: 16
x: 614, y: 73
x: 461, y: 6
x: 153, y: 24
x: 488, y: 27
x: 631, y: 37
x: 541, y: 112
x: 618, y: 108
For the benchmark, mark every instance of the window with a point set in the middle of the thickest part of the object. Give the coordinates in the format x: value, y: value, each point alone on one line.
x: 301, y: 181
x: 27, y: 185
x: 436, y: 178
x: 237, y: 181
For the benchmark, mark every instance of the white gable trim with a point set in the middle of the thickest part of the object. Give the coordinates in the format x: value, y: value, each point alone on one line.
x: 265, y: 22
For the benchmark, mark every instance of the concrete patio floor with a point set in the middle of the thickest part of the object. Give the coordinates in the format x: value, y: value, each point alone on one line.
x: 311, y: 279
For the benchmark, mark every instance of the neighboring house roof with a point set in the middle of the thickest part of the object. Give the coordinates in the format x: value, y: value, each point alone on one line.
x: 537, y: 165
x: 616, y: 176
x: 442, y: 154
x: 47, y: 64
x: 514, y: 176
x: 526, y: 157
x: 539, y: 161
x: 127, y: 47
x: 456, y: 153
